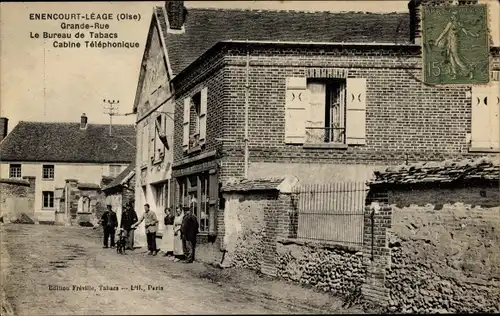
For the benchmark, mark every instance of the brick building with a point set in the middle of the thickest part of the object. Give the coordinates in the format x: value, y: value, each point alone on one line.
x: 329, y: 96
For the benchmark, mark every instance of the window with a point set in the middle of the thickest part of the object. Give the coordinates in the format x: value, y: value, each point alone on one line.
x: 195, y: 118
x: 324, y: 111
x: 161, y: 198
x: 485, y: 121
x: 203, y: 204
x: 48, y: 199
x: 160, y: 132
x: 194, y: 192
x: 48, y: 172
x: 114, y: 170
x: 15, y: 171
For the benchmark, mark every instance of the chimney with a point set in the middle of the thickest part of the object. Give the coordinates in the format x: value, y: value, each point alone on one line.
x: 176, y: 14
x: 83, y: 121
x: 4, y: 124
x: 415, y: 27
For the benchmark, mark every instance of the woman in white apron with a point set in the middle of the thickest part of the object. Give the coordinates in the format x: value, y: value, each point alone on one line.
x: 178, y: 250
x: 168, y: 233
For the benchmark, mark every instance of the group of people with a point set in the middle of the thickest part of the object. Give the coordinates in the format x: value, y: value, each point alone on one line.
x: 178, y: 239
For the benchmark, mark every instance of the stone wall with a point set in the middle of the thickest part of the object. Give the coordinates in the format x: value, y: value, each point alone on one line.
x: 445, y: 251
x: 17, y: 197
x: 259, y: 235
x: 330, y: 268
x: 245, y: 228
x: 428, y: 246
x: 97, y: 206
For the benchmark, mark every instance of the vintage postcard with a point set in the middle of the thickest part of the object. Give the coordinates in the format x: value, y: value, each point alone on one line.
x: 250, y: 157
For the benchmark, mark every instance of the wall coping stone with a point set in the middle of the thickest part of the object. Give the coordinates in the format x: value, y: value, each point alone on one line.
x: 285, y: 185
x: 15, y: 182
x: 448, y: 171
x: 321, y: 244
x: 288, y: 185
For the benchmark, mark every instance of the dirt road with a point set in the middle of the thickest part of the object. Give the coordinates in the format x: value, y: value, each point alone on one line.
x: 48, y: 270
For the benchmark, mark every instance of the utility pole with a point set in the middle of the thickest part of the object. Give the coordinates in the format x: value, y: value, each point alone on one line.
x: 111, y: 109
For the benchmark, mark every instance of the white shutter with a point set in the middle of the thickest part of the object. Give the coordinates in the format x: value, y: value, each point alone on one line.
x: 296, y: 104
x: 152, y: 137
x: 203, y: 115
x: 494, y: 102
x: 145, y: 143
x: 187, y: 112
x: 480, y: 117
x: 356, y: 111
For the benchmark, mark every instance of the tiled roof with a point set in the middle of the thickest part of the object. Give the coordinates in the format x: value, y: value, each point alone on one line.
x: 206, y: 27
x: 440, y: 172
x: 252, y: 185
x: 66, y: 142
x: 118, y: 181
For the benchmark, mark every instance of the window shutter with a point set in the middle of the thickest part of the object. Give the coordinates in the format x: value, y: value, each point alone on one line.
x: 356, y: 111
x: 213, y: 187
x: 494, y: 100
x: 145, y: 143
x: 187, y: 112
x: 203, y: 115
x: 296, y: 105
x: 480, y: 118
x: 152, y: 137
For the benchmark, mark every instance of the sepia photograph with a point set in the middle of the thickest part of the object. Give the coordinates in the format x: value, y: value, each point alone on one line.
x: 250, y: 157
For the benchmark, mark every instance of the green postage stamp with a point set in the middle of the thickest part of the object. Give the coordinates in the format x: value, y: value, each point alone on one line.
x: 455, y: 44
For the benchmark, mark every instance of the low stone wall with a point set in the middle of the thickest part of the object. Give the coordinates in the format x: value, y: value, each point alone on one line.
x: 245, y: 229
x: 17, y: 198
x: 445, y: 255
x: 330, y: 268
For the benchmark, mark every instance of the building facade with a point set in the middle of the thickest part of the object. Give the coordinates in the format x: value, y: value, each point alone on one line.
x: 154, y: 109
x: 325, y: 97
x: 321, y: 110
x: 54, y: 153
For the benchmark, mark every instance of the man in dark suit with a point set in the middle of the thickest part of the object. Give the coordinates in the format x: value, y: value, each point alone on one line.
x: 129, y: 217
x: 189, y: 231
x: 109, y: 223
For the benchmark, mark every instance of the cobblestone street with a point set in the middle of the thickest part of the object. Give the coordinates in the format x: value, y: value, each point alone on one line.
x: 39, y: 261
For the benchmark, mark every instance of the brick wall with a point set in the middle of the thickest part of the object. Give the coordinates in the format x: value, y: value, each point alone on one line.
x: 375, y: 249
x: 213, y: 78
x: 397, y: 105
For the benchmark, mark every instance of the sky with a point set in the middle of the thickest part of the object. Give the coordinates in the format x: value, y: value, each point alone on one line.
x: 41, y: 83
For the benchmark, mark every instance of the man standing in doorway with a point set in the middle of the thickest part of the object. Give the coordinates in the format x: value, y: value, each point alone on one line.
x: 109, y: 223
x: 189, y: 231
x: 129, y: 217
x: 151, y: 224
